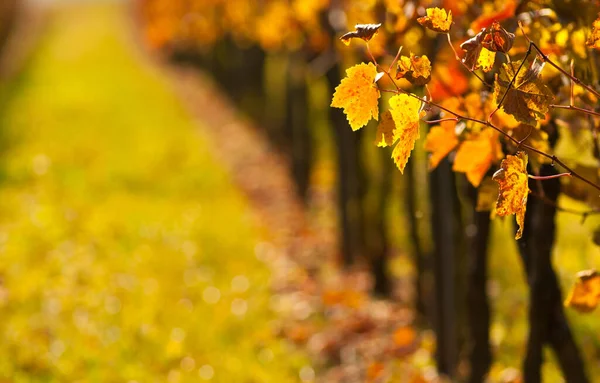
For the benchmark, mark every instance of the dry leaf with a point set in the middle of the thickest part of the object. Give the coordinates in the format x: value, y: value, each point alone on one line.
x: 416, y: 69
x: 593, y: 40
x: 357, y: 95
x: 513, y: 182
x: 528, y: 99
x: 363, y: 31
x: 585, y: 294
x: 437, y: 20
x: 497, y: 39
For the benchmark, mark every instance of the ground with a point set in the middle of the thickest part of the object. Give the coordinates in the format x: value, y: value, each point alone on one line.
x: 111, y: 226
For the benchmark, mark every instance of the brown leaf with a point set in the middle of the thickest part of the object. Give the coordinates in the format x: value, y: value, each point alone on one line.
x: 416, y: 69
x: 472, y: 48
x: 363, y: 31
x: 528, y: 99
x: 498, y: 39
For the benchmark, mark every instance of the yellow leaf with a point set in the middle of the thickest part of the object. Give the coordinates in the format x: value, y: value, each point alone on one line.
x: 437, y: 20
x: 593, y: 40
x: 405, y: 112
x: 513, y: 182
x: 385, y: 130
x: 585, y: 294
x: 416, y: 69
x: 357, y: 95
x: 528, y: 99
x: 476, y: 155
x: 486, y: 60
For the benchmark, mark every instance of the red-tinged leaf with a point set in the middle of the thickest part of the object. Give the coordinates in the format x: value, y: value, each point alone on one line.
x: 487, y: 19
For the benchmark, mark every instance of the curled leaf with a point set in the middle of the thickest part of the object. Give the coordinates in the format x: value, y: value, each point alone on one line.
x: 472, y: 48
x: 593, y: 40
x: 480, y: 50
x: 437, y: 20
x: 405, y: 112
x: 585, y: 293
x: 528, y: 99
x: 497, y: 39
x: 357, y: 95
x: 416, y: 69
x: 363, y: 31
x: 513, y: 183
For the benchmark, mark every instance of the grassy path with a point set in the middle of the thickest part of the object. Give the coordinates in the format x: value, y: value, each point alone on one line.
x: 126, y: 254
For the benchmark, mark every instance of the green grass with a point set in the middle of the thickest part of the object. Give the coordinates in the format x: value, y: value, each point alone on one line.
x: 118, y: 229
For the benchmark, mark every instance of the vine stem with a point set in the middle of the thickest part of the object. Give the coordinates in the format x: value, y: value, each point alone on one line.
x: 545, y: 58
x: 546, y: 200
x: 576, y: 108
x: 542, y: 178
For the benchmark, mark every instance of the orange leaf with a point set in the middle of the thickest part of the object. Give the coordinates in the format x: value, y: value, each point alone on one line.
x: 375, y: 371
x: 513, y: 183
x: 585, y: 294
x: 437, y: 20
x: 405, y: 112
x: 404, y: 336
x: 440, y: 141
x: 363, y: 31
x: 593, y: 40
x: 357, y: 95
x: 485, y: 20
x: 475, y: 156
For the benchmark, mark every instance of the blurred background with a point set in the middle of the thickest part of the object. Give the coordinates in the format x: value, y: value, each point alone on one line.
x: 179, y: 203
